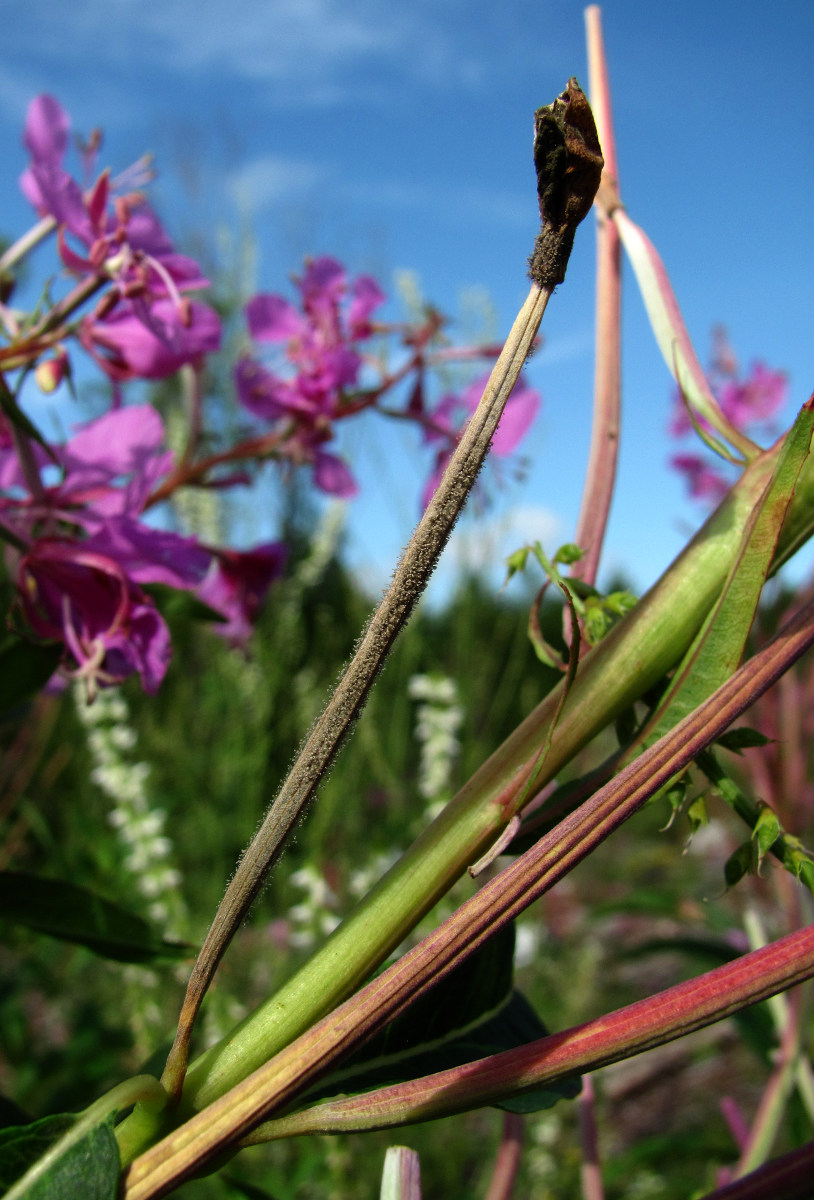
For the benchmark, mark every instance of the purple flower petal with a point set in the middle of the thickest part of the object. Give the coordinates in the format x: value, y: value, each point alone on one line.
x: 272, y: 319
x: 366, y: 296
x: 124, y: 346
x: 151, y: 555
x: 333, y: 476
x: 237, y: 585
x: 117, y: 443
x: 47, y: 125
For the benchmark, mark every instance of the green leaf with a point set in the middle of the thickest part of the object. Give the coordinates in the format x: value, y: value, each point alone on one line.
x: 473, y: 1012
x: 75, y: 914
x: 12, y: 411
x: 567, y: 554
x: 25, y: 668
x: 516, y: 562
x: 742, y: 738
x: 768, y: 834
x: 86, y: 1166
x: 697, y: 814
x: 718, y: 647
x: 738, y: 864
x: 765, y: 833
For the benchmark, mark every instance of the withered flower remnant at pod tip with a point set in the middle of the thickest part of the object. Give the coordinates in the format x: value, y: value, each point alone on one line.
x: 568, y: 161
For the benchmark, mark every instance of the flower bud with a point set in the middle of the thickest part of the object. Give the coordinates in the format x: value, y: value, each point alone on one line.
x: 50, y: 373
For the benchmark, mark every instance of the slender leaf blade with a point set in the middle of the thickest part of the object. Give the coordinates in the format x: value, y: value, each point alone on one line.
x: 75, y: 914
x: 87, y: 1166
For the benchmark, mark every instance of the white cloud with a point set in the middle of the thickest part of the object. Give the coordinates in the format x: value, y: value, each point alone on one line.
x: 272, y: 177
x: 316, y: 50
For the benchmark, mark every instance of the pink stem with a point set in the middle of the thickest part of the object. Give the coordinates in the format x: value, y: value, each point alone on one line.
x: 501, y: 1185
x: 591, y: 1175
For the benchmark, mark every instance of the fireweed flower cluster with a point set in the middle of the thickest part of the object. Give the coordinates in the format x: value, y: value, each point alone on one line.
x: 750, y: 403
x: 144, y: 326
x: 321, y: 376
x: 322, y: 364
x: 72, y: 516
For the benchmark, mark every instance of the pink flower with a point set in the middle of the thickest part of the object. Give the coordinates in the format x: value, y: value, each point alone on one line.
x: 80, y: 578
x: 704, y: 481
x: 319, y: 360
x: 756, y: 398
x: 145, y: 326
x: 153, y: 344
x: 109, y: 627
x: 45, y: 183
x: 237, y: 584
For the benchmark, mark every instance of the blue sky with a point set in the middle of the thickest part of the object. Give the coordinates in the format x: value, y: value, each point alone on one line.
x: 398, y: 137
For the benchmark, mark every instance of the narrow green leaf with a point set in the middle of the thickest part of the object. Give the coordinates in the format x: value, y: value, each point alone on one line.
x: 568, y: 554
x: 738, y: 864
x: 742, y: 738
x: 75, y: 914
x: 671, y: 333
x: 82, y: 1168
x: 717, y: 649
x: 765, y: 833
x: 768, y: 834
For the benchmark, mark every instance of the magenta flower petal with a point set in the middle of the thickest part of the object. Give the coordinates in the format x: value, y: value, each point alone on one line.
x: 85, y: 599
x: 45, y: 134
x: 272, y: 319
x: 366, y: 296
x: 756, y: 398
x: 237, y: 585
x: 144, y: 648
x: 124, y: 346
x: 333, y: 476
x: 261, y: 392
x: 151, y: 555
x: 518, y: 416
x: 704, y: 482
x: 120, y: 442
x: 323, y: 282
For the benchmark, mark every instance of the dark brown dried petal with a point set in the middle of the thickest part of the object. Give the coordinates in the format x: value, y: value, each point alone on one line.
x: 568, y: 161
